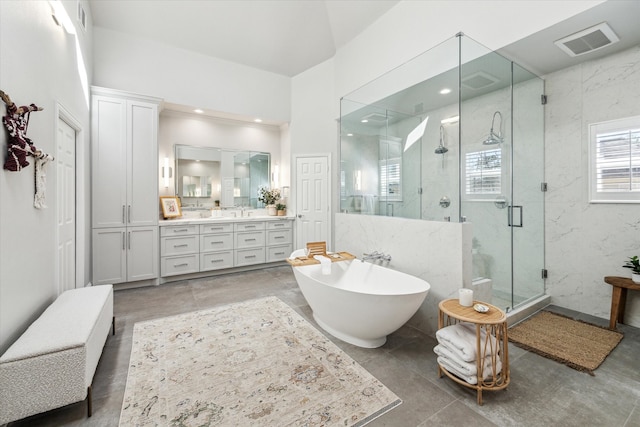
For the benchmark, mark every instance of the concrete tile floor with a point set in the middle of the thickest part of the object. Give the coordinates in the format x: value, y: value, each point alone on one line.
x: 541, y: 393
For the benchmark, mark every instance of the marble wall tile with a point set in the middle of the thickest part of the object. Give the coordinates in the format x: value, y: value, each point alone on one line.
x: 584, y: 241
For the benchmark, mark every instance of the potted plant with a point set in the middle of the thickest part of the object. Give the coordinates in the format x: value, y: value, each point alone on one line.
x: 269, y: 198
x: 282, y: 209
x: 634, y: 265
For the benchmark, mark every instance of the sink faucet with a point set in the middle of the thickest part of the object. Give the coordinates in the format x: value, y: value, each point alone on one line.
x: 375, y: 256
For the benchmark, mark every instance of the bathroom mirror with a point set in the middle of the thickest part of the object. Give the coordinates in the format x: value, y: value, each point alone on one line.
x: 208, y: 177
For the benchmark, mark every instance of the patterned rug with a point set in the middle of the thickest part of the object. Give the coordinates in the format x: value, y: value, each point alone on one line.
x: 579, y: 345
x: 254, y: 363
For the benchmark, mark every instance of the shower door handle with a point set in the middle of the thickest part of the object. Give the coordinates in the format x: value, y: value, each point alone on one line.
x: 512, y: 223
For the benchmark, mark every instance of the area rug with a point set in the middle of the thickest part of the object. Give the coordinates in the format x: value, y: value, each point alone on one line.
x: 577, y: 344
x: 255, y: 363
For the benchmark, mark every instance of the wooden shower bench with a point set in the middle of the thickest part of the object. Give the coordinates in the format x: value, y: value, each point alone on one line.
x: 619, y: 297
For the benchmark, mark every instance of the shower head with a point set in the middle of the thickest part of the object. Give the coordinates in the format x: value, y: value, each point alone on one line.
x: 494, y: 138
x: 441, y: 149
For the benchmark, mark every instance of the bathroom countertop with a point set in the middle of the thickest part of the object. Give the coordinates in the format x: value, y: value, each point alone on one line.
x: 194, y: 220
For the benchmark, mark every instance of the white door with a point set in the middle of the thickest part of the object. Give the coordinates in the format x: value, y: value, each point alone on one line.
x: 312, y: 200
x: 66, y: 205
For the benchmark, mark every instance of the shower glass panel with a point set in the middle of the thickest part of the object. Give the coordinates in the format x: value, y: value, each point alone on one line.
x: 485, y: 165
x: 455, y: 134
x: 528, y: 189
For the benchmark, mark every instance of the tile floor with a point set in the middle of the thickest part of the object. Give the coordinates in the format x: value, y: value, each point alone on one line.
x: 541, y: 393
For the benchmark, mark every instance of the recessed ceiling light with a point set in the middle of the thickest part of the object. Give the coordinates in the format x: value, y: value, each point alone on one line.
x: 445, y: 91
x: 454, y: 119
x: 349, y: 134
x: 258, y: 120
x: 364, y: 121
x: 199, y: 111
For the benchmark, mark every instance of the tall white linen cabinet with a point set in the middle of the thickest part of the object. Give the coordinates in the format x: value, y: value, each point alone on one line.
x: 124, y: 170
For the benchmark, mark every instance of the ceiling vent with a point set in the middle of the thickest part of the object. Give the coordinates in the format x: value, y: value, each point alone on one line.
x: 375, y: 118
x: 479, y: 80
x: 588, y: 40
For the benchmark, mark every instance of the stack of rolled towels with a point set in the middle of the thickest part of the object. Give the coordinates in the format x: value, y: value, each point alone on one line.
x: 457, y: 352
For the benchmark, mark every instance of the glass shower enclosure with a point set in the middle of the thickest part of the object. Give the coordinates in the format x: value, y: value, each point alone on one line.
x: 455, y: 134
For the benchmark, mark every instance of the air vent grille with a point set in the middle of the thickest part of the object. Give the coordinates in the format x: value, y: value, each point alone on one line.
x: 588, y: 40
x: 479, y: 80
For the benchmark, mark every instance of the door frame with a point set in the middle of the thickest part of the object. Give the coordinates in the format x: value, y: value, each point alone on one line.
x: 294, y: 182
x: 64, y: 114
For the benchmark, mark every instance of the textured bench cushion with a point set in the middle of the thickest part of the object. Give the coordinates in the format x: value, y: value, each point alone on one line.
x: 66, y: 323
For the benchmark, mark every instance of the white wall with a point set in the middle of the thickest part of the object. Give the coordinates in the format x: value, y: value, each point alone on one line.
x: 586, y: 242
x: 38, y: 65
x: 130, y: 63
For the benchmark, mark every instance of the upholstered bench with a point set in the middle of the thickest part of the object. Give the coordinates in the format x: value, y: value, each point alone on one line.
x: 53, y: 362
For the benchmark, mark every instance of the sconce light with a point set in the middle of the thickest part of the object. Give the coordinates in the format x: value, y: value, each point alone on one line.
x: 61, y: 17
x: 275, y: 176
x: 166, y: 172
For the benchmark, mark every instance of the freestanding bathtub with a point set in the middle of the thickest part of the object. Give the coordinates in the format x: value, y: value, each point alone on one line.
x: 360, y: 302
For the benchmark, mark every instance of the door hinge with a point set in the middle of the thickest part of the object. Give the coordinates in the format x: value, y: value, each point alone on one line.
x: 543, y: 186
x: 543, y: 99
x: 545, y: 273
x: 420, y: 190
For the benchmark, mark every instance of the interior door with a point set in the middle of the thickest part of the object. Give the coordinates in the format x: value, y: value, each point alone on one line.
x: 312, y: 200
x: 66, y: 206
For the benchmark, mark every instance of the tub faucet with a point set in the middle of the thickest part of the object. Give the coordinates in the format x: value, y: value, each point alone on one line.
x: 374, y: 256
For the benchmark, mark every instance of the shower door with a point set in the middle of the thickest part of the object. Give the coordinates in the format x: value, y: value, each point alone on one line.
x: 527, y: 211
x: 502, y: 174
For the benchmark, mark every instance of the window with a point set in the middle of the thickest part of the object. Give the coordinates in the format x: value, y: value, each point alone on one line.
x: 390, y: 179
x: 483, y: 173
x: 614, y: 149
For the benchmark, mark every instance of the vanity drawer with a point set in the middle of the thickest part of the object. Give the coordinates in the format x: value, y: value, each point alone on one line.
x: 249, y: 226
x: 249, y: 239
x: 216, y: 242
x: 216, y: 260
x: 171, y: 266
x: 216, y: 228
x: 178, y: 245
x: 278, y: 237
x: 249, y: 257
x: 279, y: 225
x: 178, y: 230
x: 278, y: 253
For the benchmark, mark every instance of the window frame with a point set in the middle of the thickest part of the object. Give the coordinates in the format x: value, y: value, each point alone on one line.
x: 483, y: 197
x: 627, y: 124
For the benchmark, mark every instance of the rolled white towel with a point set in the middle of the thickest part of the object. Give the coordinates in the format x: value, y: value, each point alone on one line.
x: 461, y: 339
x: 468, y: 368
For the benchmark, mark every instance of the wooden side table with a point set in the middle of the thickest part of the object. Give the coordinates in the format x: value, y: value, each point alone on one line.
x: 619, y: 297
x: 494, y: 323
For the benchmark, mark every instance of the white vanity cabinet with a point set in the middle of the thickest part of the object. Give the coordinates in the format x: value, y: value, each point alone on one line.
x: 124, y: 171
x: 179, y: 250
x: 216, y: 246
x: 200, y: 246
x: 249, y: 243
x: 279, y: 244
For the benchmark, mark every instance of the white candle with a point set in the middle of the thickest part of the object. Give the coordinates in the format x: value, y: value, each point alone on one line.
x: 465, y: 297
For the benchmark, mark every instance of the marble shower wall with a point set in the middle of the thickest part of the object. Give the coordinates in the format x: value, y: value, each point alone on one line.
x: 585, y: 241
x: 438, y: 252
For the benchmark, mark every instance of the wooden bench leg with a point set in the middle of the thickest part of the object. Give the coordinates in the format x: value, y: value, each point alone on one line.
x: 617, y: 305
